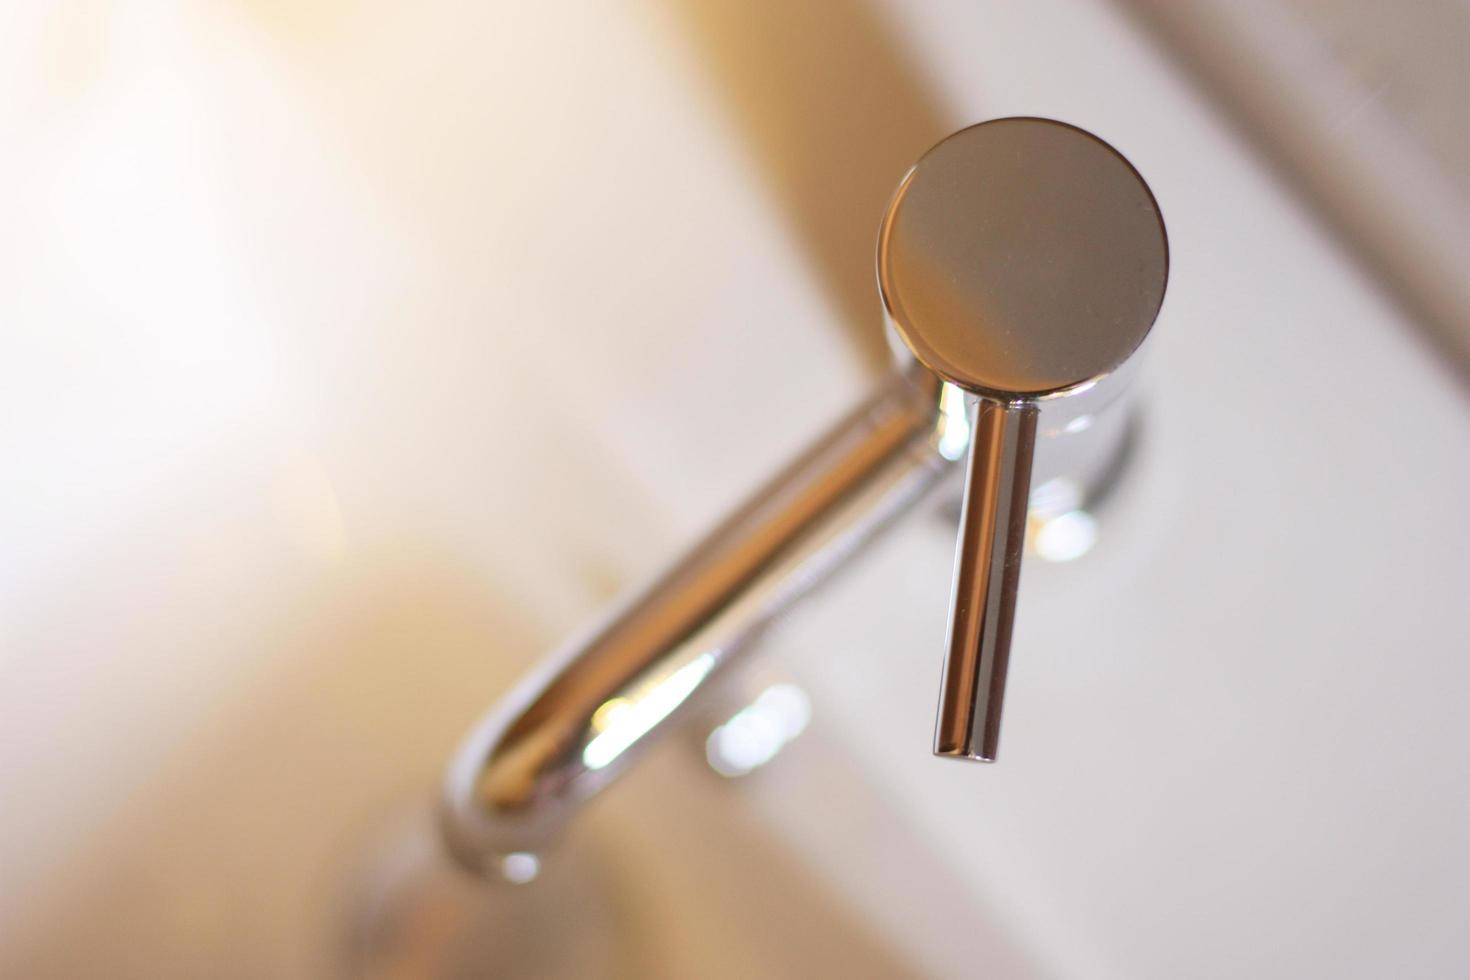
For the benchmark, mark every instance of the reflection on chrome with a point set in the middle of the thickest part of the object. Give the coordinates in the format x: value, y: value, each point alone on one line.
x: 757, y: 733
x: 1066, y: 536
x: 624, y: 720
x: 520, y: 867
x: 954, y: 424
x: 1058, y: 527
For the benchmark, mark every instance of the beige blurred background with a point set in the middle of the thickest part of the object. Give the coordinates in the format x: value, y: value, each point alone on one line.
x: 352, y: 354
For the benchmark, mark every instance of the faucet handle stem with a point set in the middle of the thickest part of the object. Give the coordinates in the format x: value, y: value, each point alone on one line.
x: 986, y: 576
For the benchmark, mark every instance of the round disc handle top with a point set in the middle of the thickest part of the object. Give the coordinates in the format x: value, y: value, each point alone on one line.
x: 1022, y: 258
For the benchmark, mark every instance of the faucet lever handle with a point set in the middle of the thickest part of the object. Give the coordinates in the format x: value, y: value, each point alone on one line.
x: 987, y: 573
x: 1023, y: 261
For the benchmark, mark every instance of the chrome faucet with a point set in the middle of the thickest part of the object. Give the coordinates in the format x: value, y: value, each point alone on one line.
x: 1022, y: 262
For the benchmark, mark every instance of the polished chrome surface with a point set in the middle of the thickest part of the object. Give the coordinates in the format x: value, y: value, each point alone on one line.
x: 1023, y: 260
x: 1020, y: 261
x: 568, y: 730
x: 993, y: 530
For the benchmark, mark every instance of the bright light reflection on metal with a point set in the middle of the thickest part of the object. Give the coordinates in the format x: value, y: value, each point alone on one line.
x: 757, y: 733
x: 641, y: 712
x: 1055, y: 498
x: 607, y: 713
x: 954, y: 426
x: 520, y: 867
x: 1066, y: 536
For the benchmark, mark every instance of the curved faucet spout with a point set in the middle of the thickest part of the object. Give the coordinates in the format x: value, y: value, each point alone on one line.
x: 571, y: 727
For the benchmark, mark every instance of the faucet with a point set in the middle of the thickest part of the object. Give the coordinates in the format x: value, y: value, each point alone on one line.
x: 1021, y: 264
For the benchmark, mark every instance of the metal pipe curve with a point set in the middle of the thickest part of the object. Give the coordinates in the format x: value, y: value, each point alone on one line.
x: 572, y: 726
